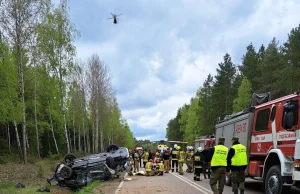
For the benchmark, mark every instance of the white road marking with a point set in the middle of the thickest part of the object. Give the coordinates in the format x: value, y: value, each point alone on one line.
x: 191, y: 183
x: 208, y: 190
x: 120, y: 185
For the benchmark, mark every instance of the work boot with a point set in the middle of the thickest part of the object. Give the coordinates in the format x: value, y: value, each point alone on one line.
x: 205, y: 176
x: 208, y: 176
x: 172, y: 170
x: 242, y: 192
x: 195, y: 179
x: 198, y: 179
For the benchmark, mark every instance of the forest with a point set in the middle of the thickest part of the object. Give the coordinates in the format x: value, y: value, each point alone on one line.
x: 273, y: 68
x: 52, y: 102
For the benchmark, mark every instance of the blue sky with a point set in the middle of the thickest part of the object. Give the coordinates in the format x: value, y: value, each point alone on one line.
x: 161, y: 51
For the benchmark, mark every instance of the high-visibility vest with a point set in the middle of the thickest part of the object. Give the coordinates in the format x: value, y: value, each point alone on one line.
x: 136, y: 157
x: 220, y: 156
x: 197, y: 159
x: 148, y: 167
x: 146, y: 156
x: 161, y: 167
x: 240, y: 155
x: 181, y: 156
x: 174, y: 154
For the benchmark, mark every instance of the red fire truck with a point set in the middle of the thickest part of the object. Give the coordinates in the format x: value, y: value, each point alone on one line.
x: 271, y: 133
x: 205, y: 141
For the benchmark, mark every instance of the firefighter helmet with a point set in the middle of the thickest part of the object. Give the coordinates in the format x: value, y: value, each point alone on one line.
x: 150, y: 160
x: 199, y: 149
x: 157, y: 161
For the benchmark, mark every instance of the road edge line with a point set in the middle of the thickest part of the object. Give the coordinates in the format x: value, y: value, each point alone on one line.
x: 121, y: 184
x: 196, y: 187
x: 190, y: 181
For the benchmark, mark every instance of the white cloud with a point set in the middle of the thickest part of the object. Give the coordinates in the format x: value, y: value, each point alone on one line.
x: 163, y: 55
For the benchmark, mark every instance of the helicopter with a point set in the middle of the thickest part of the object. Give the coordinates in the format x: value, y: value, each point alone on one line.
x: 114, y: 17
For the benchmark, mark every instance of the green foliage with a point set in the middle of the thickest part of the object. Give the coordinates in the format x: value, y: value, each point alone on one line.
x: 89, y: 188
x: 244, y: 95
x: 273, y: 69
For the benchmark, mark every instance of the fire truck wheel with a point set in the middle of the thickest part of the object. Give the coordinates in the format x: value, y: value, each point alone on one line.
x: 228, y: 181
x: 273, y: 182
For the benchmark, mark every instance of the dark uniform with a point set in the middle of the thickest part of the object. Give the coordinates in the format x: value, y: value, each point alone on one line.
x: 206, y: 165
x: 237, y: 163
x: 174, y: 160
x: 166, y: 158
x: 198, y: 163
x: 218, y: 166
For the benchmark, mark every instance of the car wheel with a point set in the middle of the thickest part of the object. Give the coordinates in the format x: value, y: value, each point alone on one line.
x: 273, y: 182
x: 65, y: 172
x: 228, y: 181
x: 69, y: 158
x: 111, y: 163
x: 112, y: 147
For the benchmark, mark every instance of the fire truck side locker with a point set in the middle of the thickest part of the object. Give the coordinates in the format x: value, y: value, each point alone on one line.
x: 239, y: 125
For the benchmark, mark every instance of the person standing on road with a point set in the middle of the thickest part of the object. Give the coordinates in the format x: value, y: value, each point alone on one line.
x: 166, y: 158
x: 237, y: 163
x: 198, y: 163
x: 136, y: 161
x: 174, y: 158
x: 140, y: 157
x: 145, y: 157
x: 180, y: 156
x: 206, y: 165
x: 218, y: 166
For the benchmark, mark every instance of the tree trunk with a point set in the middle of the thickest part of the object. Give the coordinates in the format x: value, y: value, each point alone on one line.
x: 88, y: 139
x: 84, y: 134
x: 79, y: 143
x: 74, y: 132
x: 97, y: 129
x: 51, y: 124
x: 8, y: 136
x: 21, y: 88
x: 66, y: 132
x: 35, y: 120
x: 101, y: 139
x: 18, y: 140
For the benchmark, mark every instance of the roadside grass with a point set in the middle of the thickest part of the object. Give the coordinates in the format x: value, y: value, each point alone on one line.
x: 34, y: 176
x: 89, y: 188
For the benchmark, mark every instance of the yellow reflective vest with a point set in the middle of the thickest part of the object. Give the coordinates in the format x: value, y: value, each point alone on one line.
x: 160, y: 167
x: 145, y: 157
x: 181, y: 156
x: 220, y: 156
x: 240, y: 156
x: 148, y: 167
x: 174, y: 154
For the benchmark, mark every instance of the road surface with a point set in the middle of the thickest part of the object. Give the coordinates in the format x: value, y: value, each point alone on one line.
x: 173, y: 183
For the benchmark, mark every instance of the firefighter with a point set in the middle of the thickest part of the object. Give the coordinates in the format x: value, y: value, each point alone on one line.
x: 198, y: 162
x: 136, y: 161
x: 131, y: 163
x: 206, y: 163
x: 159, y: 167
x: 174, y: 158
x: 145, y: 157
x: 180, y: 157
x: 218, y: 166
x: 189, y: 159
x: 149, y: 168
x: 237, y: 163
x: 166, y: 158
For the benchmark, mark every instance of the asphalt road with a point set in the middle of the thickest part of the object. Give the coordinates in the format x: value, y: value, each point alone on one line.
x: 178, y: 184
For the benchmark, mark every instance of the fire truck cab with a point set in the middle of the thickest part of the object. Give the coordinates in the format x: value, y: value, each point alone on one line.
x: 271, y: 133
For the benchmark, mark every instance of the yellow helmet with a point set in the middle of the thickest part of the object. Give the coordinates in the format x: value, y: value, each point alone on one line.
x: 178, y: 148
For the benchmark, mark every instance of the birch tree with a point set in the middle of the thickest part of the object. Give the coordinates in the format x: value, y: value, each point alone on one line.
x: 18, y: 19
